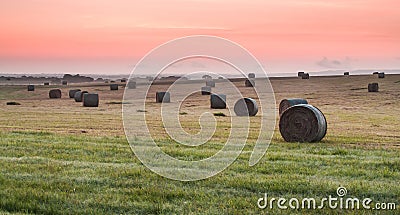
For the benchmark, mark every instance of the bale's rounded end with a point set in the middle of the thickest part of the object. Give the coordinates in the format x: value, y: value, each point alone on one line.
x: 246, y: 107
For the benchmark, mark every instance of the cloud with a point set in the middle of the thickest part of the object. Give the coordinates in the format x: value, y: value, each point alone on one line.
x: 335, y: 63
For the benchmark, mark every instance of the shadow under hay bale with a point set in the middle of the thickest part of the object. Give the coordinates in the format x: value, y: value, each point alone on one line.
x: 13, y: 103
x: 64, y: 82
x: 46, y: 84
x: 71, y: 93
x: 305, y: 76
x: 252, y: 75
x: 300, y: 74
x: 249, y: 83
x: 246, y: 107
x: 205, y: 90
x: 303, y: 123
x: 287, y: 103
x: 381, y: 75
x: 55, y: 94
x: 163, y: 97
x: 210, y: 83
x: 373, y: 87
x: 113, y: 86
x: 79, y: 95
x: 131, y: 85
x: 218, y: 101
x: 90, y: 100
x: 31, y: 87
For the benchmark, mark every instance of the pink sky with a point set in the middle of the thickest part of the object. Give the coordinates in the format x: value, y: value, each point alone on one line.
x: 104, y: 36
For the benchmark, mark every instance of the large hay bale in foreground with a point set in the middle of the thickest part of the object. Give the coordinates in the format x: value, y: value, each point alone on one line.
x: 287, y: 103
x: 113, y: 86
x: 305, y: 76
x: 246, y: 107
x: 71, y: 93
x: 31, y: 87
x: 163, y: 97
x: 249, y: 83
x: 55, y: 94
x: 252, y: 75
x: 90, y: 100
x: 79, y: 95
x: 303, y: 123
x: 205, y: 90
x: 373, y: 87
x: 381, y: 75
x: 218, y: 101
x: 210, y: 83
x: 131, y: 85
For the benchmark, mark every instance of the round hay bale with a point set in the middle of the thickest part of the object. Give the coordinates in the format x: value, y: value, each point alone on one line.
x: 210, y: 83
x: 55, y: 94
x: 113, y: 86
x: 300, y: 74
x: 79, y: 95
x: 132, y: 85
x: 305, y: 76
x: 303, y: 123
x: 373, y: 87
x: 31, y: 87
x: 375, y: 73
x: 71, y: 93
x: 90, y: 100
x: 246, y: 107
x: 346, y: 73
x: 381, y: 75
x: 64, y: 82
x: 206, y: 90
x: 46, y: 84
x: 123, y: 80
x: 249, y: 83
x: 163, y: 97
x: 218, y: 101
x: 287, y: 103
x: 252, y: 75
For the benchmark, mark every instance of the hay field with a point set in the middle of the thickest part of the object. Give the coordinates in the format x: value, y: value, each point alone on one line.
x: 58, y: 157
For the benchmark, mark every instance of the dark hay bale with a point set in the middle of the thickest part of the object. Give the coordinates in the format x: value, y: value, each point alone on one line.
x: 205, y: 90
x: 90, y: 100
x: 210, y: 83
x: 131, y: 85
x: 71, y: 93
x: 113, y: 86
x: 373, y: 87
x: 112, y: 81
x: 300, y: 74
x: 31, y: 87
x: 55, y: 94
x: 252, y: 75
x: 123, y: 80
x: 249, y: 83
x: 64, y: 82
x: 246, y: 107
x: 375, y: 73
x: 381, y: 75
x: 287, y: 103
x: 218, y: 101
x: 305, y: 76
x: 13, y: 103
x: 79, y: 95
x: 46, y: 84
x: 346, y: 73
x: 163, y: 97
x: 302, y: 123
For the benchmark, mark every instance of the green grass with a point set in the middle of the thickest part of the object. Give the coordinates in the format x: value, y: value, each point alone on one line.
x: 48, y: 173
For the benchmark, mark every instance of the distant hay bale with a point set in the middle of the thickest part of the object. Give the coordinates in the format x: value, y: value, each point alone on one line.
x: 373, y: 87
x: 210, y: 83
x: 55, y: 94
x: 123, y: 80
x: 346, y: 73
x: 375, y: 73
x: 131, y: 85
x: 113, y: 86
x: 249, y: 83
x: 287, y: 103
x: 90, y: 100
x: 163, y: 97
x: 218, y: 101
x: 13, y: 103
x: 302, y: 123
x: 381, y: 75
x: 46, y: 84
x: 79, y: 95
x: 64, y: 82
x: 300, y: 74
x: 71, y: 93
x: 252, y: 75
x: 246, y: 107
x: 205, y: 90
x: 305, y: 76
x: 31, y: 87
